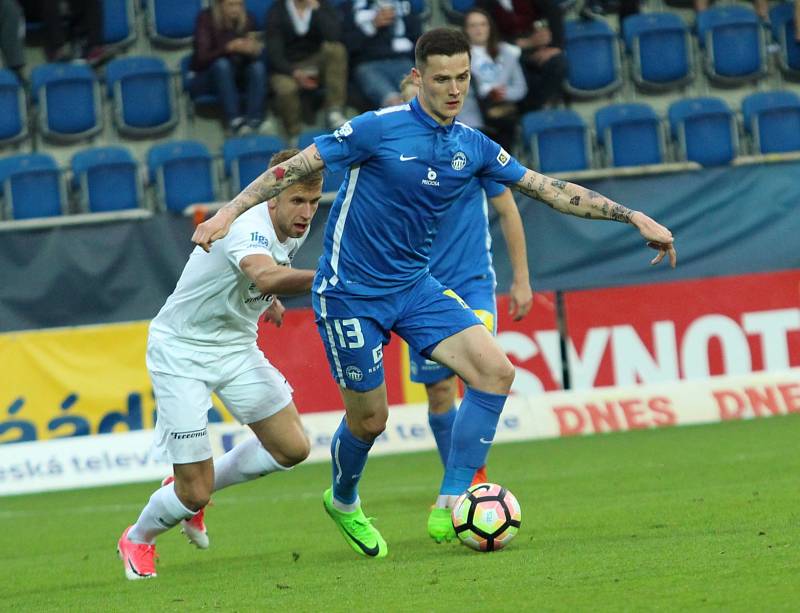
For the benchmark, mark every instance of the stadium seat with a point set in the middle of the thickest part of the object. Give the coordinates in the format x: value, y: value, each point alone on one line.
x: 773, y: 121
x: 594, y: 58
x: 733, y: 42
x: 558, y: 140
x: 119, y: 22
x: 332, y: 181
x: 105, y: 179
x: 171, y: 22
x: 782, y: 19
x: 13, y: 109
x: 258, y: 9
x: 143, y: 95
x: 246, y: 157
x: 182, y: 173
x: 68, y: 100
x: 661, y: 50
x: 705, y: 130
x: 31, y: 186
x: 630, y: 134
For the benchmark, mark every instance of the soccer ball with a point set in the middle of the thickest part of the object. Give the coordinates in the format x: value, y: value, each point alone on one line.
x: 486, y: 517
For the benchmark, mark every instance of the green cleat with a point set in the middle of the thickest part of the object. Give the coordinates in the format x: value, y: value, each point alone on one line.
x: 357, y: 529
x: 440, y: 525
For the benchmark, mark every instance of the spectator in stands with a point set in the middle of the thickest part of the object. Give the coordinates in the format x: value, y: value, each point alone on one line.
x: 497, y: 80
x: 12, y: 36
x: 797, y: 20
x: 304, y: 52
x: 380, y: 35
x: 761, y: 7
x: 228, y: 61
x: 78, y: 33
x: 536, y: 27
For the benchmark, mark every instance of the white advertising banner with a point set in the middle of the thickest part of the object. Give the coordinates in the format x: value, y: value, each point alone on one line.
x: 106, y: 459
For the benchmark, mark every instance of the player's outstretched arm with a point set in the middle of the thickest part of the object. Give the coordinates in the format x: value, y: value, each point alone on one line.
x: 520, y: 292
x: 575, y: 200
x: 273, y: 279
x: 267, y: 185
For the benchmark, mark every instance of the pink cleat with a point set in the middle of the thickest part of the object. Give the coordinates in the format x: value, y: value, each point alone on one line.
x: 139, y: 559
x: 195, y: 527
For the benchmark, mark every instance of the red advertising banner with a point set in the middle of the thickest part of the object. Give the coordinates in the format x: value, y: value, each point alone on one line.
x: 621, y: 336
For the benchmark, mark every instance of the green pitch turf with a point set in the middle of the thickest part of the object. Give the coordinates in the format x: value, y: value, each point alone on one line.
x: 697, y: 518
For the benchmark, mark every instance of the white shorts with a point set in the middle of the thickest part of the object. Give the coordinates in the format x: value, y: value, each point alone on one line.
x: 183, y: 379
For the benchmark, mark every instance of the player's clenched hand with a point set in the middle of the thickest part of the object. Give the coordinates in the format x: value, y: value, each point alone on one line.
x: 521, y: 300
x: 275, y: 313
x: 657, y: 236
x: 213, y: 229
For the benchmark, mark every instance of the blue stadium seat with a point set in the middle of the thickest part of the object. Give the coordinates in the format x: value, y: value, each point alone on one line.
x: 781, y: 17
x: 13, y: 109
x: 183, y: 174
x: 558, y: 140
x: 106, y: 179
x: 171, y: 22
x: 31, y: 186
x: 246, y: 157
x: 661, y: 50
x: 119, y: 22
x: 773, y: 121
x: 631, y: 134
x: 705, y: 130
x: 68, y: 97
x: 258, y: 9
x: 331, y: 181
x: 143, y: 95
x: 733, y: 42
x: 594, y: 58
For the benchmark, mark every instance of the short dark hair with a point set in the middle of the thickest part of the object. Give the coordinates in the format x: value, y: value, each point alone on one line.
x: 311, y: 181
x: 440, y: 41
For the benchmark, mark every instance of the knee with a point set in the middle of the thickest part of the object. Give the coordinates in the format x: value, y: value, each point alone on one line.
x: 194, y: 495
x: 368, y: 428
x: 256, y: 70
x: 221, y: 67
x: 500, y: 373
x: 334, y: 51
x: 294, y: 451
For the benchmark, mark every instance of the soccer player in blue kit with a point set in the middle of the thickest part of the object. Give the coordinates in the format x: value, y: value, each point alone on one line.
x: 461, y: 259
x: 406, y: 165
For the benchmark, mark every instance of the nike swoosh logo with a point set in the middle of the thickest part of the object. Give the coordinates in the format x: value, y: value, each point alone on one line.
x: 370, y: 551
x: 485, y: 442
x: 403, y: 158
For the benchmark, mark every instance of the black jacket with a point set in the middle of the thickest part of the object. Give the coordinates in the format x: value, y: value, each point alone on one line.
x: 285, y: 48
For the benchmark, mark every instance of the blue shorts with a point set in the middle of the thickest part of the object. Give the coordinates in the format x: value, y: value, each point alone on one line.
x: 479, y: 295
x: 355, y: 328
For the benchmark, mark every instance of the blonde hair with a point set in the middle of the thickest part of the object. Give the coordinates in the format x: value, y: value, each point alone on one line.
x: 239, y: 23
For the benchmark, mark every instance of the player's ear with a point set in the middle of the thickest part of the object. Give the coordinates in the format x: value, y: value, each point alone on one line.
x: 416, y: 74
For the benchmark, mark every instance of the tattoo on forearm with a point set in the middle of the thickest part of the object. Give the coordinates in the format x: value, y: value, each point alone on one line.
x: 575, y: 201
x: 271, y: 183
x: 620, y: 213
x: 558, y: 183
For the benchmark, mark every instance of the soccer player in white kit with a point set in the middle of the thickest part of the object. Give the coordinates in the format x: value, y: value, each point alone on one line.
x: 204, y: 340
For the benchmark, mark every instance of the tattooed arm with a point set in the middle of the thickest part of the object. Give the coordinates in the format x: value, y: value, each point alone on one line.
x: 575, y: 200
x: 268, y: 185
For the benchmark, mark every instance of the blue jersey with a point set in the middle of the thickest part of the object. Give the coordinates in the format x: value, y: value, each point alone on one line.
x: 404, y: 171
x: 461, y: 248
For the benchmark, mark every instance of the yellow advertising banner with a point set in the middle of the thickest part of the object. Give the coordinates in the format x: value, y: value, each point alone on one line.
x: 75, y: 381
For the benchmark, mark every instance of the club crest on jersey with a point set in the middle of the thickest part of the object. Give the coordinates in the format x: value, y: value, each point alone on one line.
x: 431, y: 180
x: 503, y: 157
x: 354, y: 373
x: 343, y: 131
x: 459, y: 161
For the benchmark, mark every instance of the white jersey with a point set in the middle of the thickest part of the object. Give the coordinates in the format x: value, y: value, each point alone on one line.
x: 215, y: 305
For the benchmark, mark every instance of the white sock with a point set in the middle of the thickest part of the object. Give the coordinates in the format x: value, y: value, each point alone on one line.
x: 445, y: 501
x: 344, y: 507
x: 162, y: 512
x: 246, y: 461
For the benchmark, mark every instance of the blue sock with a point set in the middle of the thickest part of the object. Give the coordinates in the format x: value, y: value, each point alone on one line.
x: 442, y: 428
x: 473, y: 432
x: 349, y: 455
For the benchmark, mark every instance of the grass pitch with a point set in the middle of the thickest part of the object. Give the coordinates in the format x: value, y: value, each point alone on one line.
x: 693, y: 518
